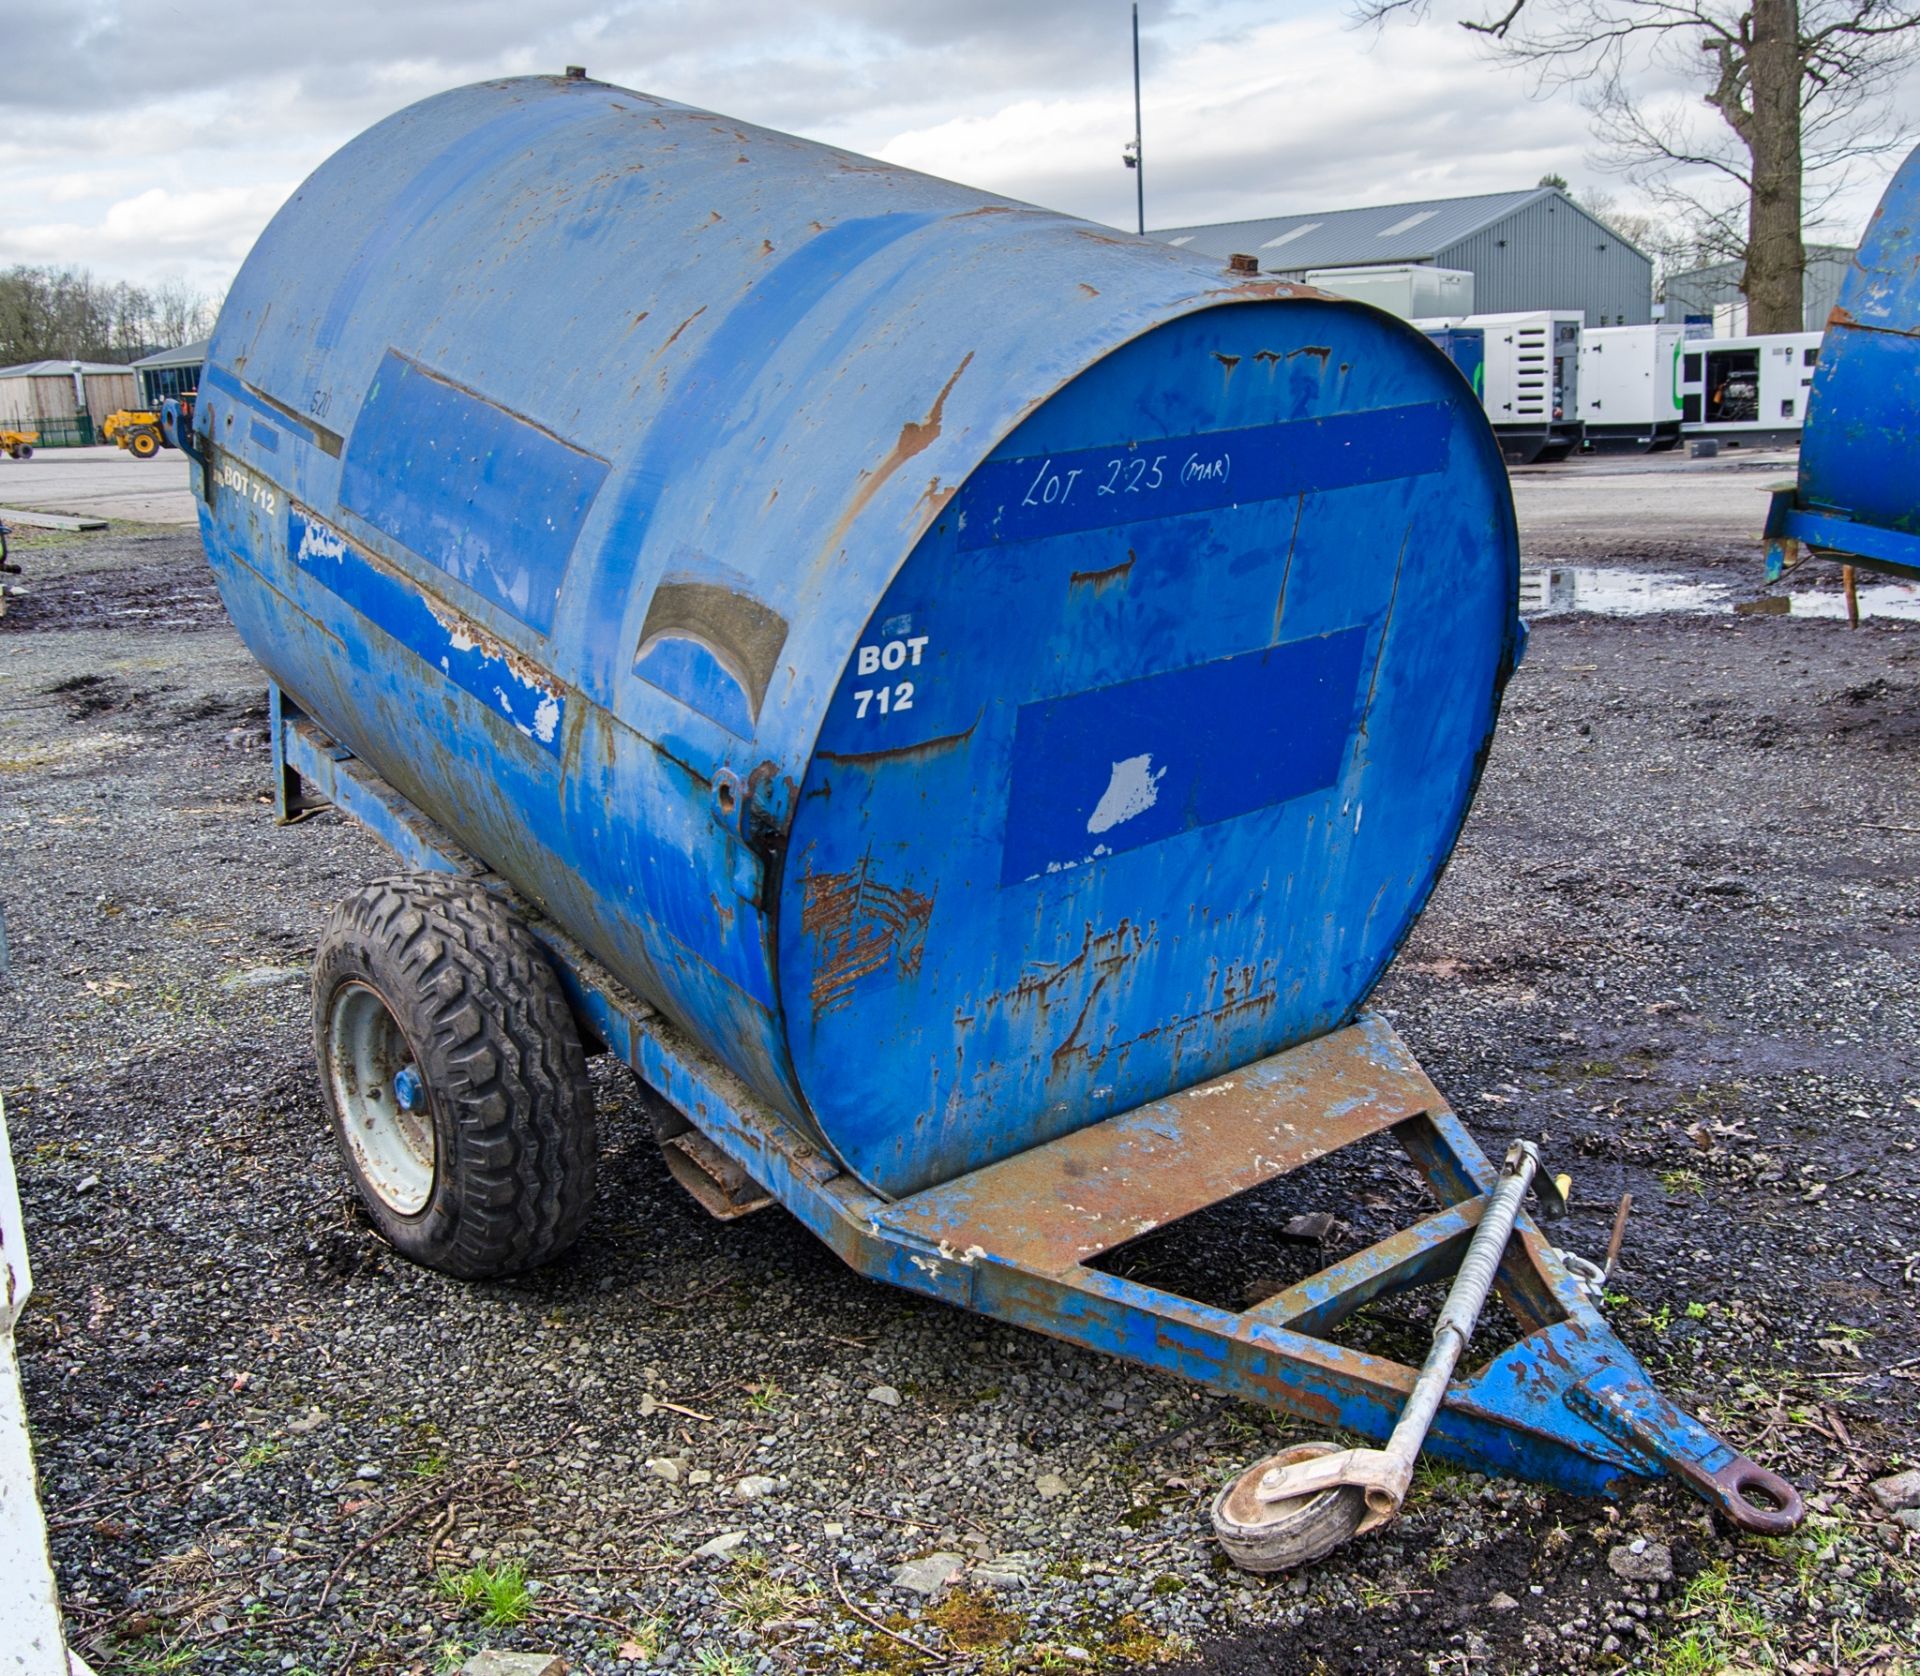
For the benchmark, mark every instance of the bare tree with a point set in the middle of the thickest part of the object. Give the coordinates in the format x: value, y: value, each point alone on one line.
x: 1798, y: 89
x: 66, y: 314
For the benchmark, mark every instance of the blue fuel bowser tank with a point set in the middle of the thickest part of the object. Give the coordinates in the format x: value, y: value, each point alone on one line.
x: 1858, y: 493
x: 965, y: 702
x: 972, y: 670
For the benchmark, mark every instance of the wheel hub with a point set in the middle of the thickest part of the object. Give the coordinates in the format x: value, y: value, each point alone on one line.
x: 382, y: 1098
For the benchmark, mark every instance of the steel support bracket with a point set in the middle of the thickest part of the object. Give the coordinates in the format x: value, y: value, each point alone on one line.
x: 1630, y: 1411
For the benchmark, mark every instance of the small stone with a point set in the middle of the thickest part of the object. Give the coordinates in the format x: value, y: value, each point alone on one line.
x: 1503, y: 1602
x: 87, y: 1184
x: 661, y: 1467
x: 312, y: 1420
x: 369, y: 1471
x: 263, y: 977
x: 998, y: 1574
x: 514, y: 1664
x: 1114, y: 1401
x: 1898, y: 1493
x: 1049, y: 1486
x: 1641, y: 1561
x: 885, y: 1395
x: 1076, y: 1655
x: 1909, y: 1517
x: 754, y: 1486
x: 833, y: 1528
x: 649, y: 1405
x: 928, y: 1576
x: 699, y: 1475
x: 721, y: 1547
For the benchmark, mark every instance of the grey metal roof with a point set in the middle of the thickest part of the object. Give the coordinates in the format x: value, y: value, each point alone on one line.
x: 48, y: 369
x: 1413, y: 232
x: 187, y: 355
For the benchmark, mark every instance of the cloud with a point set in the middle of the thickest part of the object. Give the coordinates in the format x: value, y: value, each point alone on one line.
x: 139, y: 140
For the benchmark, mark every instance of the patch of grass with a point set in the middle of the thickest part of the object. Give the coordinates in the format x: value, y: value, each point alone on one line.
x: 1682, y: 1184
x: 766, y: 1397
x: 757, y: 1598
x: 646, y: 1637
x: 710, y: 1661
x: 261, y: 1454
x: 158, y: 1664
x: 1696, y: 1311
x: 972, y: 1622
x: 498, y: 1593
x: 428, y: 1466
x: 1130, y: 1641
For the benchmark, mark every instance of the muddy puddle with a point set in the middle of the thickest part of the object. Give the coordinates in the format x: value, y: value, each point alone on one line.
x: 1559, y: 589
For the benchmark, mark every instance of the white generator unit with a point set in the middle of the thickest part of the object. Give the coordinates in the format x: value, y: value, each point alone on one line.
x: 1532, y: 379
x: 1751, y: 389
x: 1412, y: 290
x: 1630, y: 394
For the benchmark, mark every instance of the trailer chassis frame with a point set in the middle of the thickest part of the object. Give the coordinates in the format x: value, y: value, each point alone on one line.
x: 1566, y: 1406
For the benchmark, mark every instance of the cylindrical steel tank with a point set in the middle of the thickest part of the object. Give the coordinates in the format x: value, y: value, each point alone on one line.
x: 1859, y: 479
x: 972, y: 670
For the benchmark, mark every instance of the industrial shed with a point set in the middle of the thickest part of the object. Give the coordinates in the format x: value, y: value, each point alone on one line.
x: 1526, y: 250
x: 170, y: 372
x: 45, y: 397
x: 1696, y: 295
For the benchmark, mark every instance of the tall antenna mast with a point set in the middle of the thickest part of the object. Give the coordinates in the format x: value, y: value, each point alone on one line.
x: 1139, y: 174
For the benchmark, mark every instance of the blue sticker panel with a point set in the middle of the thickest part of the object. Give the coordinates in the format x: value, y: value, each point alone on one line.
x: 1122, y: 766
x: 491, y: 498
x: 531, y: 701
x: 1096, y: 488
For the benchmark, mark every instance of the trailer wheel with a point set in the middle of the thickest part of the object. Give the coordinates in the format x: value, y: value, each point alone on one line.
x: 1279, y: 1535
x: 454, y: 1076
x: 143, y: 444
x: 23, y: 452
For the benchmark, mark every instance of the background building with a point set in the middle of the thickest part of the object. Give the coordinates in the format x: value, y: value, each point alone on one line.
x: 170, y: 372
x: 64, y: 401
x: 1526, y: 250
x: 1713, y: 293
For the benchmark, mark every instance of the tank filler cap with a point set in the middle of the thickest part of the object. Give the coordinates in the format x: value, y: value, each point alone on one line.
x: 1243, y: 264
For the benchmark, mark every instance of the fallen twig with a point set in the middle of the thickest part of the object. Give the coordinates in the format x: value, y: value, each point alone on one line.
x: 868, y: 1618
x: 381, y: 1534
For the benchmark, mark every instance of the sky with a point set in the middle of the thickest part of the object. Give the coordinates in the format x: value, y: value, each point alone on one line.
x: 152, y: 139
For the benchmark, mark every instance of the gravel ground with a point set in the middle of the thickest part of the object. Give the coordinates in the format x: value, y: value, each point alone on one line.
x: 1679, y: 942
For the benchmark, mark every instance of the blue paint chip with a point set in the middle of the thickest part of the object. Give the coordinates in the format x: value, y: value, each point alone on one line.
x: 531, y: 702
x: 1125, y: 483
x: 1111, y: 770
x: 489, y: 497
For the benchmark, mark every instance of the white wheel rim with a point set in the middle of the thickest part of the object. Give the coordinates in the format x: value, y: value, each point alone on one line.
x: 393, y: 1146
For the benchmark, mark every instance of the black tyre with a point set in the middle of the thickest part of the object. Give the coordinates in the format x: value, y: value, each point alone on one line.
x: 23, y: 452
x: 144, y: 444
x: 454, y: 1076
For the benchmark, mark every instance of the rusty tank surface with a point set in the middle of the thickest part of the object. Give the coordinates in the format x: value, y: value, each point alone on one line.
x: 973, y: 672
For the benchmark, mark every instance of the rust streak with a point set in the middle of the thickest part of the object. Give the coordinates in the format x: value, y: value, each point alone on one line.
x: 902, y: 753
x: 859, y: 926
x: 684, y: 324
x: 916, y: 436
x: 1101, y: 580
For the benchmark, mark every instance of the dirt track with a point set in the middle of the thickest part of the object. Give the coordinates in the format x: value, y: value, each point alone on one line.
x: 1680, y: 943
